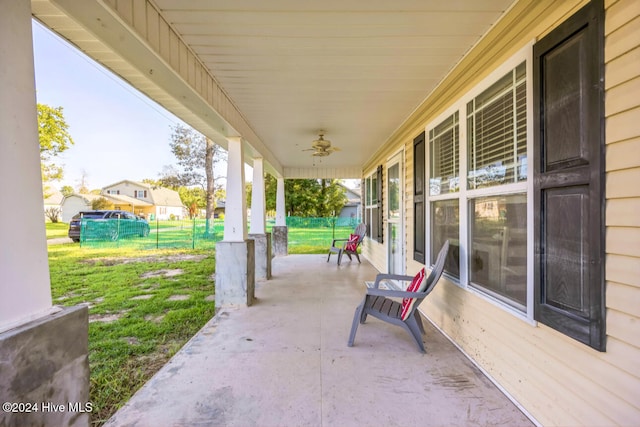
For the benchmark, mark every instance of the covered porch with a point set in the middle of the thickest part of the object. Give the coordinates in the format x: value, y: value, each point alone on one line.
x: 284, y: 361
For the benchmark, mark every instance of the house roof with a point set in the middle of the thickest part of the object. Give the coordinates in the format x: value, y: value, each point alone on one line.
x: 160, y: 196
x: 54, y: 197
x: 87, y: 198
x: 120, y: 198
x: 165, y: 197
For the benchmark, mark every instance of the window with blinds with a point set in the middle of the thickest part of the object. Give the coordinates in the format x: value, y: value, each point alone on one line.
x: 496, y: 132
x: 444, y: 157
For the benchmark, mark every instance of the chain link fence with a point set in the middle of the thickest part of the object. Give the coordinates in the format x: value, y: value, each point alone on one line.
x: 306, y: 235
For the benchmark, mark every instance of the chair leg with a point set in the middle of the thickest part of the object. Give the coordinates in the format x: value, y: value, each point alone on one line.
x: 340, y: 252
x: 413, y: 328
x: 329, y: 255
x: 419, y: 321
x: 358, y: 257
x: 354, y: 326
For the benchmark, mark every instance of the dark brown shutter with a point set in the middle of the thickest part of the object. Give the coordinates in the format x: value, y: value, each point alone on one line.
x: 418, y: 198
x: 569, y: 177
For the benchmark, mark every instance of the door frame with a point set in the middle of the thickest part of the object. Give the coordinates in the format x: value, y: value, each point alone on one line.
x: 396, y: 158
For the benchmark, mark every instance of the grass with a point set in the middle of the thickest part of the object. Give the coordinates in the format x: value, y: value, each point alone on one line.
x: 131, y: 338
x: 56, y: 229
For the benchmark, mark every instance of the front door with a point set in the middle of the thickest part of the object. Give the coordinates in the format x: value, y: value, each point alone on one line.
x: 395, y: 214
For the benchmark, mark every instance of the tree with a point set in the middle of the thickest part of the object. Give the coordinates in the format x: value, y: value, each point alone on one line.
x: 54, y: 138
x: 333, y: 197
x: 306, y: 197
x: 194, y: 198
x: 154, y: 183
x: 53, y: 214
x: 196, y: 157
x: 82, y: 187
x: 100, y: 203
x: 67, y: 190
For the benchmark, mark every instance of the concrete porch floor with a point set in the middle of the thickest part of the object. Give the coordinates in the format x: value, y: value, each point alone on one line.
x: 285, y: 362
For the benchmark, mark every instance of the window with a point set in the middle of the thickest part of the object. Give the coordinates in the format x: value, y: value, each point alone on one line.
x: 445, y: 219
x: 498, y: 261
x: 140, y: 194
x: 373, y: 205
x: 497, y: 126
x: 113, y: 191
x: 529, y: 238
x: 444, y: 185
x: 485, y: 214
x: 444, y: 156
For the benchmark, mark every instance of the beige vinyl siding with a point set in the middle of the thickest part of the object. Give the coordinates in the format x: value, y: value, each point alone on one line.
x: 556, y: 379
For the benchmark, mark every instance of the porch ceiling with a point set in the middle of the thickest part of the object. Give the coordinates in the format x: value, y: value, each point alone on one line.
x: 354, y: 69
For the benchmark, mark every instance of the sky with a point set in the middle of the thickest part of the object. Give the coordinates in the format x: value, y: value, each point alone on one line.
x: 118, y: 132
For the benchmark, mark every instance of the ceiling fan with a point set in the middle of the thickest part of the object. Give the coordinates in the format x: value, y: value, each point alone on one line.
x: 321, y: 147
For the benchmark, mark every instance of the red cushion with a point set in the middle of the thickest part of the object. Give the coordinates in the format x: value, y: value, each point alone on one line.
x: 352, y: 244
x: 418, y: 284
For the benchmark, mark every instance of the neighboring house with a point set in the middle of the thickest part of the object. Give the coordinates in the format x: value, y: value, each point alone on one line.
x: 145, y: 200
x: 351, y: 208
x: 74, y: 203
x: 139, y: 198
x: 53, y: 199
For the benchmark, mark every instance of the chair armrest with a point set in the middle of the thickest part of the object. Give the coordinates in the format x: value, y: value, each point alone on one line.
x: 382, y: 276
x: 338, y: 240
x: 395, y: 294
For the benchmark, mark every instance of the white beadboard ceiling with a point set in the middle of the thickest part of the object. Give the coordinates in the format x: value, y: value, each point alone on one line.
x: 355, y: 69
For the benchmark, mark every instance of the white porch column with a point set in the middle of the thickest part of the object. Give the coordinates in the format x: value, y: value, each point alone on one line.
x: 258, y: 205
x: 258, y: 232
x: 235, y: 215
x: 33, y: 334
x: 25, y: 291
x: 280, y: 232
x: 235, y: 256
x: 280, y: 206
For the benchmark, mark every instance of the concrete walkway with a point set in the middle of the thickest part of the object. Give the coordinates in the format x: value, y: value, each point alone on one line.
x: 285, y: 362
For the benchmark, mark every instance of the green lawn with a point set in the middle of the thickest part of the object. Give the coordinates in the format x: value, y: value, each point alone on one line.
x: 56, y: 229
x: 143, y: 307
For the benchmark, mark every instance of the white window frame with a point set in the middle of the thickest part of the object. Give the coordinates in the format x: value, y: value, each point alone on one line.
x: 367, y: 214
x: 464, y: 194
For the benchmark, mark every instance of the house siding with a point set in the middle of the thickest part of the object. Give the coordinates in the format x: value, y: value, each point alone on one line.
x: 71, y: 205
x: 555, y: 379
